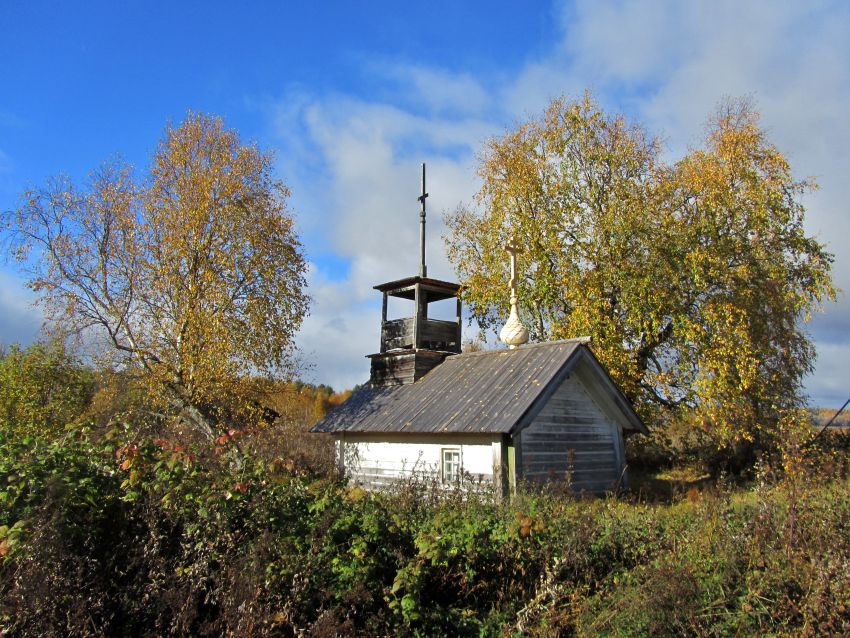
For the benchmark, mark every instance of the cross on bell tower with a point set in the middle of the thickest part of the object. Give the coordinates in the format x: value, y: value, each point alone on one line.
x: 423, y: 269
x: 413, y: 345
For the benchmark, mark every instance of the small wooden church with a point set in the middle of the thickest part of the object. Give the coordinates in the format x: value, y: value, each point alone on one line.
x: 530, y: 412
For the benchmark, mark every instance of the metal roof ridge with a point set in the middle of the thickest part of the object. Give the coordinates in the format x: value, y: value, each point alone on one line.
x: 526, y: 346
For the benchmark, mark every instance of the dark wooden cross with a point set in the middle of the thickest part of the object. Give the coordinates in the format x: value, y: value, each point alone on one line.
x: 423, y: 270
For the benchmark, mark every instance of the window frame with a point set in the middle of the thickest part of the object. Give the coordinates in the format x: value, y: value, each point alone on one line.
x: 456, y: 462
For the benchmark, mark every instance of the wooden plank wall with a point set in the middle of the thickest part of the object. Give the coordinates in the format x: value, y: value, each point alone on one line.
x: 397, y: 333
x: 403, y: 368
x: 393, y: 370
x: 437, y: 334
x: 572, y: 439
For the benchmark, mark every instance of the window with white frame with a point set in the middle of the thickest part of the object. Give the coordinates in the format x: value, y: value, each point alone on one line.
x: 451, y: 465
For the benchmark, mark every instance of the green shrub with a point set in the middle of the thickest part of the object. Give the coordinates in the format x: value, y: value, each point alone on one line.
x: 43, y: 388
x: 154, y: 538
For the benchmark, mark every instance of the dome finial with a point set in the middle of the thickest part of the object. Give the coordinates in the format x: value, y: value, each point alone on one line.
x: 513, y: 332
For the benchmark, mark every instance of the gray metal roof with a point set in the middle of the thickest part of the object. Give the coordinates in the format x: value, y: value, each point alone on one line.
x: 489, y: 391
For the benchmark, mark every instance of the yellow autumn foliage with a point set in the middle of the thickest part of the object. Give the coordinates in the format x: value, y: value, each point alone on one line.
x: 191, y: 276
x: 693, y: 278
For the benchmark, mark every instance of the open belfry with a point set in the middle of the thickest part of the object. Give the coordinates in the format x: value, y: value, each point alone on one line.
x: 411, y: 346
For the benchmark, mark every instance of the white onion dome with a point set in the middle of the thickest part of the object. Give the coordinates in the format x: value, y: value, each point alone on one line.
x: 513, y: 332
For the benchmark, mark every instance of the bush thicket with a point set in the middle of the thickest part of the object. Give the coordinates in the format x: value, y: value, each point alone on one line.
x: 153, y: 538
x: 114, y: 525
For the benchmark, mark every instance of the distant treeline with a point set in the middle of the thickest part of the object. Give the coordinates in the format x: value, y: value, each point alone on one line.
x: 822, y: 416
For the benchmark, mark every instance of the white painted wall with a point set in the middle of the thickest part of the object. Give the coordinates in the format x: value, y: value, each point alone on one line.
x: 376, y: 460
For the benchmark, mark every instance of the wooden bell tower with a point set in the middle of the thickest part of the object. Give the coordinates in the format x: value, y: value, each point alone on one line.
x: 412, y: 346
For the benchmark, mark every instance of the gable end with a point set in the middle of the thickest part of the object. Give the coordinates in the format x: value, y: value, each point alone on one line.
x: 597, y: 382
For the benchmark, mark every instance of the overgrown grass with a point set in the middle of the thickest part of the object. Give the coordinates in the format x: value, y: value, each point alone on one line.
x: 155, y: 539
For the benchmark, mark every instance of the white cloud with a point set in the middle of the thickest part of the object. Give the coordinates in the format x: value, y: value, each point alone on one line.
x: 625, y: 40
x: 452, y: 92
x: 667, y: 63
x: 441, y: 91
x: 831, y: 388
x: 672, y: 61
x: 339, y: 332
x: 368, y: 213
x: 20, y: 321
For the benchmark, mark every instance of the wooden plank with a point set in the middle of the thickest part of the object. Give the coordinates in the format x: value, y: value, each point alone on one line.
x: 566, y: 418
x: 558, y: 438
x: 566, y: 421
x: 397, y: 333
x: 438, y: 330
x: 512, y: 471
x: 604, y: 459
x: 621, y: 458
x: 578, y: 430
x: 500, y: 467
x: 561, y: 471
x: 576, y: 457
x: 544, y: 466
x: 540, y: 450
x: 418, y: 300
x: 458, y: 321
x: 562, y: 447
x: 567, y: 444
x: 572, y: 478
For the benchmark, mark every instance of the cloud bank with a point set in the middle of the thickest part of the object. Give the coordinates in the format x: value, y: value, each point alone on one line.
x: 353, y: 159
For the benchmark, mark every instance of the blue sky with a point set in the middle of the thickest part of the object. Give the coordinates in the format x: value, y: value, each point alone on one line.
x: 352, y: 96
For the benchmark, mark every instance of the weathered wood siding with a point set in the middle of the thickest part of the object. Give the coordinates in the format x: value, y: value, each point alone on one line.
x: 572, y: 438
x: 401, y: 368
x: 435, y: 334
x: 377, y: 461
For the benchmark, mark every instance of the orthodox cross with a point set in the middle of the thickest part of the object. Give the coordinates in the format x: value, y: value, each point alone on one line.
x: 513, y: 332
x: 423, y: 271
x: 513, y: 249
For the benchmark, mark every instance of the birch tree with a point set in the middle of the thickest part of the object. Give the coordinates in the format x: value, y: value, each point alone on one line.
x: 693, y: 278
x: 193, y: 275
